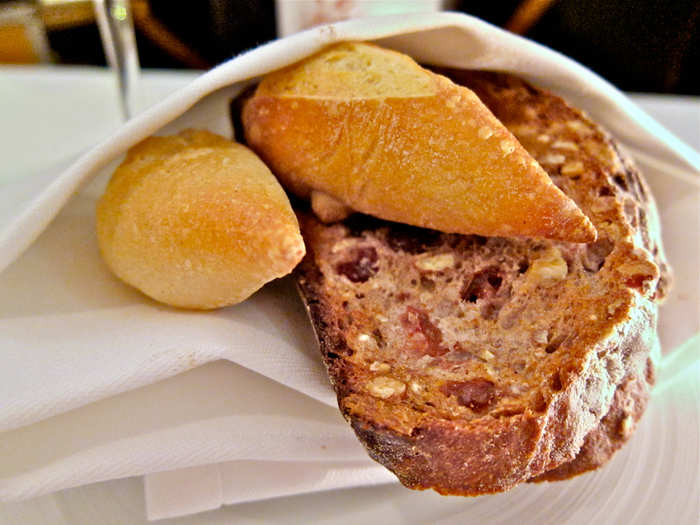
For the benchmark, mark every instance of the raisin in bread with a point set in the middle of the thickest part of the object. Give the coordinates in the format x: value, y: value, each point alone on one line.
x: 469, y: 364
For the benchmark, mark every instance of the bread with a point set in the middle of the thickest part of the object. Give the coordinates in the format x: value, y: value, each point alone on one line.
x: 363, y: 128
x: 196, y: 221
x: 469, y: 364
x: 614, y: 429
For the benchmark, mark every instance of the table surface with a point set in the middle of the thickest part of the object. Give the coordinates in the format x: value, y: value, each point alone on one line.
x: 54, y: 113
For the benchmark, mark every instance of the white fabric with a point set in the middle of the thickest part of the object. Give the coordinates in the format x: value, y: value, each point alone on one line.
x: 89, y: 383
x: 196, y: 489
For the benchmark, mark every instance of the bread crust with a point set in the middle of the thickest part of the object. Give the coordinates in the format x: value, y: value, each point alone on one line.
x: 576, y: 425
x: 196, y: 221
x: 627, y: 408
x: 406, y: 141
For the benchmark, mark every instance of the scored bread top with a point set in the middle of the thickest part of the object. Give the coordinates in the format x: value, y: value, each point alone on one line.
x: 351, y: 71
x: 468, y: 364
x: 373, y: 130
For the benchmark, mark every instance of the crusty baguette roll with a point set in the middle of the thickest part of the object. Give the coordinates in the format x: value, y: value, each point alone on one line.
x: 374, y: 131
x: 196, y: 221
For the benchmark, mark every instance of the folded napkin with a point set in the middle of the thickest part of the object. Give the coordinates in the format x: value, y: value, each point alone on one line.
x: 188, y: 491
x: 98, y: 382
x: 612, y: 494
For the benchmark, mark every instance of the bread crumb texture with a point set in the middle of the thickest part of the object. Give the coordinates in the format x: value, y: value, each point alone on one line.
x: 381, y: 135
x: 196, y: 221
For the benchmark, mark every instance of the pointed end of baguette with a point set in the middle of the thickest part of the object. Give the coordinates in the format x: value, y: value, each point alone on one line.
x: 574, y: 226
x: 549, y: 213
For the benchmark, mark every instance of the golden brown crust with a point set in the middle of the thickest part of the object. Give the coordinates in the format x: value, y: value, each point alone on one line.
x: 543, y: 348
x: 196, y: 221
x: 614, y: 430
x: 419, y: 150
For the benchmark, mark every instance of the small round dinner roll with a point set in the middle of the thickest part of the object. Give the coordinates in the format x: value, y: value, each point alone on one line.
x: 196, y: 221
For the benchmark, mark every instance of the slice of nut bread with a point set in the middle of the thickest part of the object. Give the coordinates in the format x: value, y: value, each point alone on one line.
x: 469, y: 364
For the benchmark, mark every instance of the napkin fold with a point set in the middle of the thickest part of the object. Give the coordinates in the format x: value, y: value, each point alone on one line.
x: 208, y: 487
x: 124, y: 386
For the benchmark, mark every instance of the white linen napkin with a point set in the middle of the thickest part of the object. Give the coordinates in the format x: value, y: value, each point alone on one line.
x: 197, y: 489
x: 98, y: 382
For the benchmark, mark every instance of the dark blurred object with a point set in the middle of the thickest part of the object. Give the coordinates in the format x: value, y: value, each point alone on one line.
x: 218, y: 29
x: 158, y: 33
x: 527, y: 14
x: 78, y: 44
x: 638, y: 45
x: 174, y: 34
x: 498, y: 13
x: 75, y: 38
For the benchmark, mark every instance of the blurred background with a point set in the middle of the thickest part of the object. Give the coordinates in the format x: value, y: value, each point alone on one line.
x: 639, y: 45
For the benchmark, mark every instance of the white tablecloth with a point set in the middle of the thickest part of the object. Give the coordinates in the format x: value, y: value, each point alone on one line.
x: 50, y: 115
